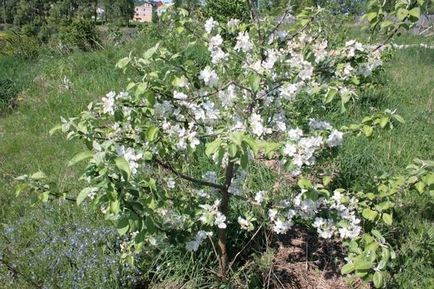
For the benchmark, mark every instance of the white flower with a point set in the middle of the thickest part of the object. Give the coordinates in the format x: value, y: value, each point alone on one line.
x: 215, y: 41
x: 319, y: 125
x: 272, y: 213
x: 108, y: 103
x: 259, y: 197
x: 289, y: 90
x: 325, y: 228
x: 281, y: 227
x: 193, y: 246
x: 130, y: 156
x: 182, y: 82
x: 233, y: 23
x: 243, y: 42
x: 171, y: 183
x: 350, y: 233
x: 295, y: 134
x: 256, y: 124
x: 218, y: 55
x: 337, y: 196
x: 209, y: 76
x: 289, y: 150
x: 210, y: 176
x: 179, y: 95
x: 220, y: 220
x: 272, y: 57
x: 227, y: 97
x: 210, y: 24
x: 307, y: 72
x: 245, y: 224
x: 335, y: 138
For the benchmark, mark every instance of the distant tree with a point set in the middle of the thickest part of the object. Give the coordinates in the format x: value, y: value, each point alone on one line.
x: 224, y: 10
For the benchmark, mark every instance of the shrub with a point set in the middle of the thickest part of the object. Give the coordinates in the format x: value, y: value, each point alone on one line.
x: 80, y: 34
x: 19, y: 45
x: 224, y: 10
x: 8, y: 94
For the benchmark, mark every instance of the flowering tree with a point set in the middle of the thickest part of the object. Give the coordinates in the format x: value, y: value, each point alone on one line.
x: 169, y: 157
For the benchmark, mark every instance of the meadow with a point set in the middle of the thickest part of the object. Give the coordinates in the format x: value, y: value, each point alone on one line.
x: 60, y: 245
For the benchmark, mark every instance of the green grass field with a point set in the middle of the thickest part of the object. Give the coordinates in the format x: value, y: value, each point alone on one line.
x: 28, y: 233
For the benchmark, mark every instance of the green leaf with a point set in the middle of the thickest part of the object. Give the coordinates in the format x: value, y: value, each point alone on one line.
x: 378, y: 279
x: 385, y: 254
x: 244, y: 160
x: 141, y: 88
x: 84, y: 193
x: 398, y: 118
x: 123, y: 62
x: 420, y: 187
x: 428, y: 179
x: 415, y: 12
x: 383, y: 121
x: 151, y: 51
x: 38, y: 176
x: 254, y: 82
x: 20, y: 188
x: 326, y: 180
x: 55, y: 129
x: 304, y: 183
x: 369, y: 214
x: 371, y: 16
x: 151, y: 133
x: 387, y: 218
x: 123, y: 165
x: 80, y: 157
x: 212, y: 147
x: 368, y: 130
x: 347, y: 268
x: 123, y: 226
x: 232, y: 150
x: 402, y: 14
x: 362, y: 265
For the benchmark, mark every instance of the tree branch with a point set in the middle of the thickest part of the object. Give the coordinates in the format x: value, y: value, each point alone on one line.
x: 189, y: 178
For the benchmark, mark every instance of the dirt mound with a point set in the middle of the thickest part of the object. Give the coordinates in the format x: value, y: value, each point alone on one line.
x: 303, y: 261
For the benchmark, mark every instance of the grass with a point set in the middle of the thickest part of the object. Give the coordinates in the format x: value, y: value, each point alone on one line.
x: 25, y: 146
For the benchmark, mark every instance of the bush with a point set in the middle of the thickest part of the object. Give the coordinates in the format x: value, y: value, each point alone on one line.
x: 8, y: 94
x: 80, y: 34
x: 224, y: 10
x: 19, y: 45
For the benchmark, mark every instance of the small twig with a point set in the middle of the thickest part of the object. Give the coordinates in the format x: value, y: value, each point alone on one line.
x: 245, y: 246
x: 189, y: 178
x: 278, y: 280
x: 215, y: 250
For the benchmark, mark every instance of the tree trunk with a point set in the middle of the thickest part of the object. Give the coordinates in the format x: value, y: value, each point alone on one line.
x: 4, y: 11
x: 224, y: 209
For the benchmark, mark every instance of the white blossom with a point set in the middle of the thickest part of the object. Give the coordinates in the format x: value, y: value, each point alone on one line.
x: 335, y: 138
x: 209, y: 76
x: 220, y: 221
x: 233, y: 23
x: 210, y: 24
x: 259, y: 197
x: 243, y: 42
x: 108, y: 103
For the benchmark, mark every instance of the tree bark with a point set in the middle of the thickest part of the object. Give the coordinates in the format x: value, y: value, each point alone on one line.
x: 4, y: 11
x: 224, y: 209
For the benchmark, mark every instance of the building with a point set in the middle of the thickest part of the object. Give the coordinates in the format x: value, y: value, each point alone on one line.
x: 143, y: 13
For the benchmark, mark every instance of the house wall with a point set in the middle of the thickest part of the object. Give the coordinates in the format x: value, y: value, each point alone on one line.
x: 143, y: 13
